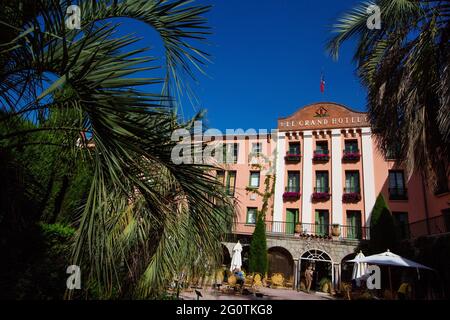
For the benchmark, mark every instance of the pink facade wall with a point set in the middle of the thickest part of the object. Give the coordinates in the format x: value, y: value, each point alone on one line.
x: 414, y: 205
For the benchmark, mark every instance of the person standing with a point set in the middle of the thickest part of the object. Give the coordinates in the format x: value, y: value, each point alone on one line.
x: 309, y: 277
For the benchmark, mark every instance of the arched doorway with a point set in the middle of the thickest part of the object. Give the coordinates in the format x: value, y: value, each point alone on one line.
x: 281, y: 261
x: 347, y: 268
x: 226, y: 259
x: 322, y: 266
x: 245, y: 256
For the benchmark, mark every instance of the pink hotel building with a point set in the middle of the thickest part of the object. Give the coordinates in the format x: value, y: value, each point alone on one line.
x: 321, y: 172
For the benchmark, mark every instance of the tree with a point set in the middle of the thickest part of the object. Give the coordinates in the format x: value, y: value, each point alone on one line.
x: 382, y: 228
x: 143, y: 213
x: 405, y: 67
x: 258, y: 261
x: 258, y: 248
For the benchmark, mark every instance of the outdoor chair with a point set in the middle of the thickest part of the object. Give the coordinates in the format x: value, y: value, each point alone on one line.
x: 277, y: 280
x: 248, y: 281
x: 257, y: 280
x: 232, y: 282
x: 219, y: 277
x: 290, y: 282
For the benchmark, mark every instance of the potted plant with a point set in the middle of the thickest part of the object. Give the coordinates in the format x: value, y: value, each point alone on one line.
x: 335, y: 230
x: 325, y: 285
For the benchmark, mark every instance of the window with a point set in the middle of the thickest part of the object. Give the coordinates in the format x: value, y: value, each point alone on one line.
x: 322, y: 222
x: 322, y: 182
x: 351, y: 146
x: 322, y: 147
x: 220, y: 174
x: 293, y: 183
x: 254, y: 179
x: 397, y: 190
x: 231, y: 183
x: 235, y: 152
x: 393, y: 151
x: 354, y: 225
x: 291, y: 220
x: 294, y: 148
x: 401, y: 224
x: 446, y: 214
x: 352, y: 182
x: 251, y: 215
x: 257, y: 148
x: 230, y: 152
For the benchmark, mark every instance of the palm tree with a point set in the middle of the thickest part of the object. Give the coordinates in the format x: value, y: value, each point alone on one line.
x: 145, y: 219
x: 405, y: 67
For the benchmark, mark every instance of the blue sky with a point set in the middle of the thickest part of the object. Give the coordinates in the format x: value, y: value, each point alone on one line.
x: 267, y: 58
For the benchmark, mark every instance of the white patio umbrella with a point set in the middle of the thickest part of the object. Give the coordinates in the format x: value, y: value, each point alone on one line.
x: 236, y: 260
x: 391, y: 260
x: 359, y: 268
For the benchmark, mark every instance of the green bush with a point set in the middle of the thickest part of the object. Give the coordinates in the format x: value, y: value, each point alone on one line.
x: 382, y: 228
x: 44, y: 276
x: 258, y: 248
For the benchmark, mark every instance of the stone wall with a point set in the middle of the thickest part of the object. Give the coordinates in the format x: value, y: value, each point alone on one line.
x: 336, y: 249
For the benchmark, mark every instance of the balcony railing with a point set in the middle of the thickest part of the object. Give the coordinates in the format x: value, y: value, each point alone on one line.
x: 432, y: 226
x: 291, y: 193
x: 293, y: 229
x: 321, y: 155
x: 292, y: 189
x: 398, y: 194
x: 351, y: 155
x: 321, y: 194
x: 292, y: 157
x: 351, y: 195
x: 322, y: 189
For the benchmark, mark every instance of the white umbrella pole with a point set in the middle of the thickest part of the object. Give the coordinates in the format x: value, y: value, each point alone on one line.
x: 390, y: 283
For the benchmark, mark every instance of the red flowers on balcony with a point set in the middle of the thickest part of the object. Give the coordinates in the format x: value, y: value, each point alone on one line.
x: 351, y: 197
x: 351, y: 155
x: 292, y: 157
x: 291, y: 195
x: 321, y: 194
x: 321, y: 156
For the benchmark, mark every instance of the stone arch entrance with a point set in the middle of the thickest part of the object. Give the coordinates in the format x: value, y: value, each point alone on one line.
x: 322, y: 265
x: 281, y: 261
x: 245, y: 256
x: 226, y: 258
x: 347, y: 268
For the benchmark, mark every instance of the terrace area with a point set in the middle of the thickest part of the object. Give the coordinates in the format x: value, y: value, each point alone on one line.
x: 305, y: 230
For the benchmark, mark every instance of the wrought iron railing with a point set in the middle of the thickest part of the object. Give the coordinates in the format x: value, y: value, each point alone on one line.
x: 432, y: 226
x: 291, y: 229
x: 292, y: 157
x: 352, y: 190
x: 351, y: 155
x: 398, y: 193
x: 292, y: 189
x: 322, y: 189
x: 321, y: 155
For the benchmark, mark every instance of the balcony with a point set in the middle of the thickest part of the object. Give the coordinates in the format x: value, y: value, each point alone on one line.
x: 321, y: 156
x: 291, y: 194
x: 429, y: 227
x: 398, y: 194
x: 292, y: 157
x: 351, y: 156
x: 307, y: 230
x: 321, y: 194
x: 351, y: 195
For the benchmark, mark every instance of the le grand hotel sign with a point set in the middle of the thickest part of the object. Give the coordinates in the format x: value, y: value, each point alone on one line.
x: 323, y: 116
